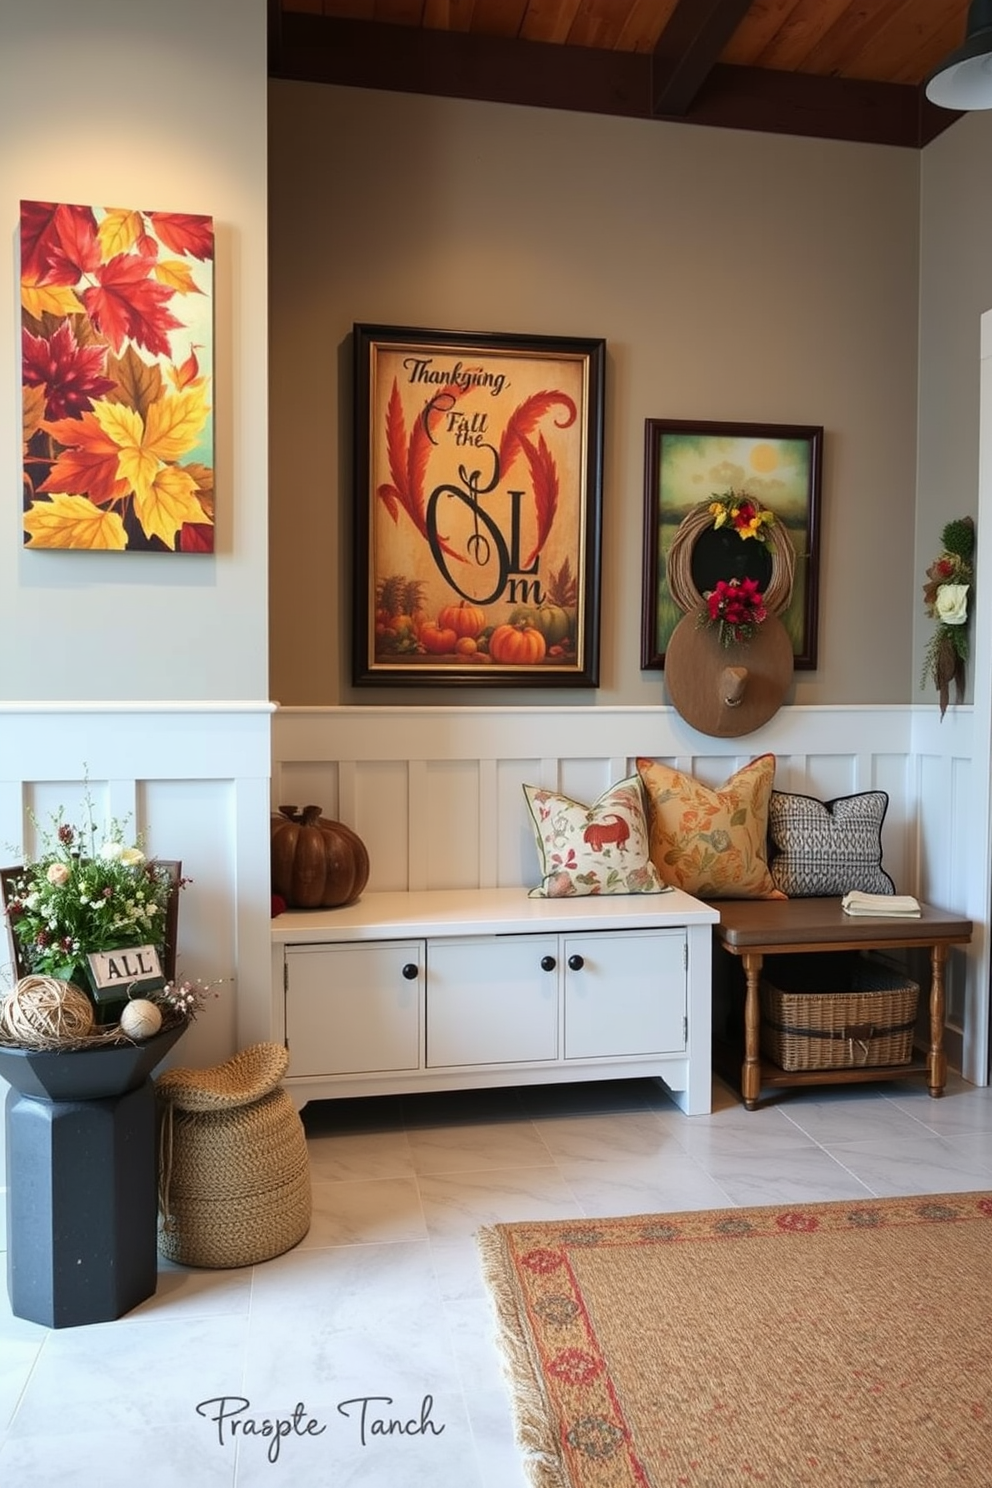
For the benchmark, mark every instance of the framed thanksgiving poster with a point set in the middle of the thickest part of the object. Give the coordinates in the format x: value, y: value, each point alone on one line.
x: 478, y: 508
x: 117, y: 373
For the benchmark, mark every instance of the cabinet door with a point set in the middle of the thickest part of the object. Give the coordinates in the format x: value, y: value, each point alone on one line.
x: 625, y: 993
x: 354, y: 1008
x: 490, y: 1000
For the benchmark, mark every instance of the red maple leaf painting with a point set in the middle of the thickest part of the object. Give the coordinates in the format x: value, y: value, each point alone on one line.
x: 117, y: 374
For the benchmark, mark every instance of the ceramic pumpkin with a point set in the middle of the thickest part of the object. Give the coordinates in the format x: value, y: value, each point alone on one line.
x: 316, y: 863
x: 520, y: 645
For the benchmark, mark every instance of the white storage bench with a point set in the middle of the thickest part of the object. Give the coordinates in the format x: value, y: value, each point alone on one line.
x: 447, y: 989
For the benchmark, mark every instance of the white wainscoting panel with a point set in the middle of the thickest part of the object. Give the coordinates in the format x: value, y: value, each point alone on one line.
x: 194, y: 778
x: 951, y: 788
x: 436, y: 794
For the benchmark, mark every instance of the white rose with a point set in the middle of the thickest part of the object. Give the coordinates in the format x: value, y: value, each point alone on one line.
x: 951, y: 604
x: 57, y: 873
x: 132, y: 856
x: 111, y: 851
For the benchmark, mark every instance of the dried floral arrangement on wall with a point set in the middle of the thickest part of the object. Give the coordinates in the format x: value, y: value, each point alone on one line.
x: 117, y: 373
x: 945, y: 598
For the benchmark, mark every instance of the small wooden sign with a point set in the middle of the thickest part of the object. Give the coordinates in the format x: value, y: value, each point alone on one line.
x: 117, y: 974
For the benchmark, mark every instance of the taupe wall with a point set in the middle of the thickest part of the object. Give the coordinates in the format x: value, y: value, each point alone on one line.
x: 734, y: 276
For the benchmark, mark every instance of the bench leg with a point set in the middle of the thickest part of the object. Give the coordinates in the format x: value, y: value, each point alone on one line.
x: 751, y: 1070
x: 937, y: 1059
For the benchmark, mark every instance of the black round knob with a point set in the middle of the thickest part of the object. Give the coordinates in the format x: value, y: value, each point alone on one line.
x: 576, y: 963
x: 548, y: 963
x: 410, y: 971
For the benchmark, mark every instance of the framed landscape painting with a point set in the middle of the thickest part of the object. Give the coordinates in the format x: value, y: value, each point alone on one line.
x: 729, y: 501
x: 478, y: 471
x: 117, y: 378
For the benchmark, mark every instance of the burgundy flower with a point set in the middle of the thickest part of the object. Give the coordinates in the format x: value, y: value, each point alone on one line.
x: 737, y: 607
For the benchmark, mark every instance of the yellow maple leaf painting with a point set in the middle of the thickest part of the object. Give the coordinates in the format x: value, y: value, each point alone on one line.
x: 117, y: 372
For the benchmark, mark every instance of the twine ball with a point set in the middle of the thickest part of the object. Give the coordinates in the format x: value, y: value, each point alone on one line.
x: 43, y: 1012
x: 140, y: 1018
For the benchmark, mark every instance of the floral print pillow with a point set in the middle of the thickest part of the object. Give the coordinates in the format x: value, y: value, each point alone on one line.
x: 598, y: 849
x: 711, y: 843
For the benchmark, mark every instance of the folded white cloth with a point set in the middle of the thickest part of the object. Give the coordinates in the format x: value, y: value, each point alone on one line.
x: 903, y: 905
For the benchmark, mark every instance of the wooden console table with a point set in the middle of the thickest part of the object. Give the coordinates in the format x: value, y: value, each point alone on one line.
x: 754, y: 928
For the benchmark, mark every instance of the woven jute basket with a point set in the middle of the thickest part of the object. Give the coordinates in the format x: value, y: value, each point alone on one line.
x: 234, y: 1173
x: 837, y: 1013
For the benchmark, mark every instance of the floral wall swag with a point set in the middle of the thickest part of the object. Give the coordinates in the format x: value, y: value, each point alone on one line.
x: 945, y: 596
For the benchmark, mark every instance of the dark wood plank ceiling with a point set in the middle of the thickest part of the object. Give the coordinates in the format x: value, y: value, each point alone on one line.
x: 839, y: 69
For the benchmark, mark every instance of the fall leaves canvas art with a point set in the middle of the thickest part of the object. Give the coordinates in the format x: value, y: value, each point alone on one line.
x: 478, y: 473
x: 117, y: 374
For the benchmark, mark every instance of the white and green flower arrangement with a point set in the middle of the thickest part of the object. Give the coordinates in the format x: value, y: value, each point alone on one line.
x: 946, y: 597
x: 88, y: 891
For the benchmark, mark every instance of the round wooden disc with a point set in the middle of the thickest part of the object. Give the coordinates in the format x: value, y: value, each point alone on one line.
x: 703, y: 676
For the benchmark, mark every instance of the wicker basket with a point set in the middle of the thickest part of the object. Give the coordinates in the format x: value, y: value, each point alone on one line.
x: 836, y: 1011
x: 234, y: 1173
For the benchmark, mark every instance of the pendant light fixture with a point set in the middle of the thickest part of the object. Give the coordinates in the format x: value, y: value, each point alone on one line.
x: 964, y: 79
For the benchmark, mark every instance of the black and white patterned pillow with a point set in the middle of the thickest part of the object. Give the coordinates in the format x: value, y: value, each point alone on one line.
x: 820, y: 848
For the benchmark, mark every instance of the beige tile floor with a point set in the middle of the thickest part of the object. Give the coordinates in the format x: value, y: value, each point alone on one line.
x: 380, y: 1314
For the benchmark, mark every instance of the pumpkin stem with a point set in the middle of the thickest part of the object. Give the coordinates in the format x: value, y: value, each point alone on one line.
x: 306, y: 817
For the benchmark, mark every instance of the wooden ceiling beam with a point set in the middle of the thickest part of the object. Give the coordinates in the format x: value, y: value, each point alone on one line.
x: 449, y: 64
x: 688, y: 49
x: 456, y: 64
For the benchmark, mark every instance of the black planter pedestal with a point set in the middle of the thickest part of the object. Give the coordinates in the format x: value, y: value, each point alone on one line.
x: 82, y: 1200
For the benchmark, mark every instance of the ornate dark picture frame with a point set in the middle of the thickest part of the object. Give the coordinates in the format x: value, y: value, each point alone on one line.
x: 690, y: 464
x: 478, y: 494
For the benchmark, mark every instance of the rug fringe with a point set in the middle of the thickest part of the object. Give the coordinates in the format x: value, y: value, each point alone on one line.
x: 532, y: 1410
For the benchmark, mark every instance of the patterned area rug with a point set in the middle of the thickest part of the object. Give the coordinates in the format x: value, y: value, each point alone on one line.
x: 843, y: 1344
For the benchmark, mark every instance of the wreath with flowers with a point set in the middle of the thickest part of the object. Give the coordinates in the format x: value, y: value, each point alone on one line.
x: 736, y: 606
x: 945, y: 597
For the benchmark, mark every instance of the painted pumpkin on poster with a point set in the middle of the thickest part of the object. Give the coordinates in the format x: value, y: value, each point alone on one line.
x: 117, y: 377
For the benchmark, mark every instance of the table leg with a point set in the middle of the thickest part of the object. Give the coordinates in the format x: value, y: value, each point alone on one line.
x: 751, y: 1070
x: 937, y: 1059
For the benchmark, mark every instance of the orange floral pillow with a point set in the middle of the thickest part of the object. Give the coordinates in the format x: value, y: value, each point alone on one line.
x: 711, y: 843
